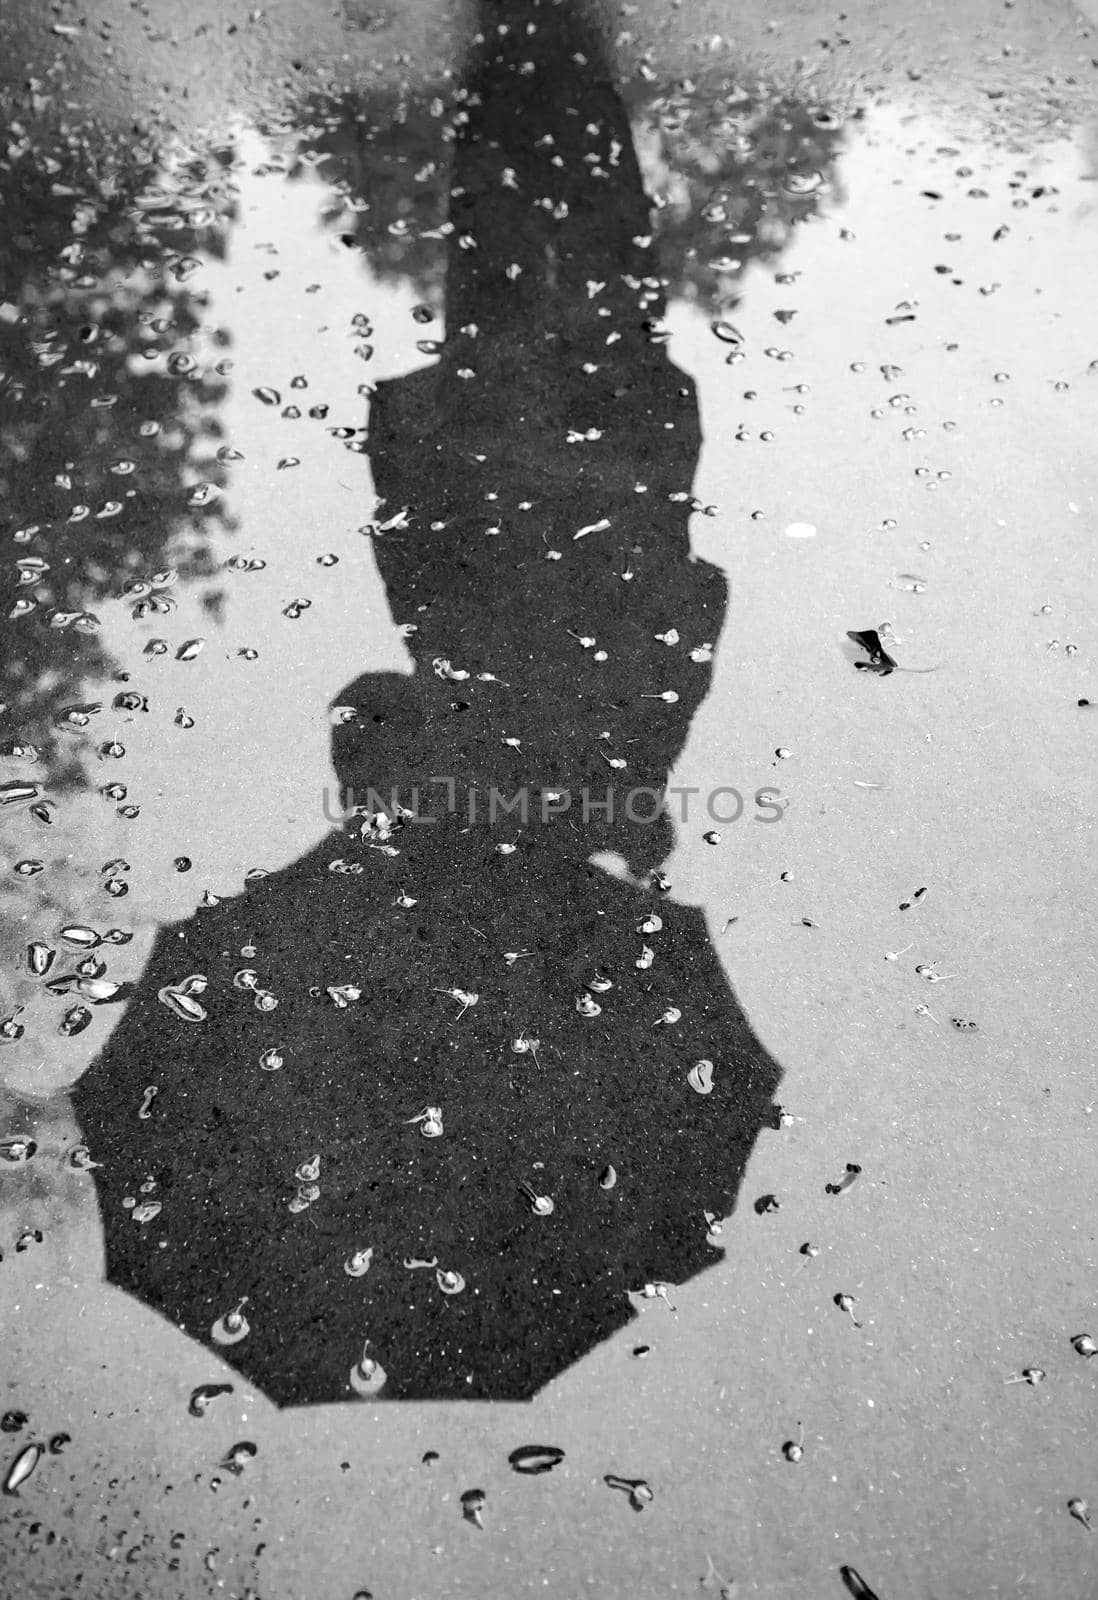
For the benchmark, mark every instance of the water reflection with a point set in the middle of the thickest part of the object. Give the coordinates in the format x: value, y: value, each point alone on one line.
x: 551, y: 410
x: 732, y: 169
x: 109, y: 425
x: 109, y: 421
x: 507, y: 993
x: 180, y: 663
x: 387, y: 169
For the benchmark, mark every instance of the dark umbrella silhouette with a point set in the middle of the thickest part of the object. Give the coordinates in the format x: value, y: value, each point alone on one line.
x: 306, y: 1191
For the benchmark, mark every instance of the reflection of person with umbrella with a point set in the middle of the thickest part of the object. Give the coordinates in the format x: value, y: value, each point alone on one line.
x: 435, y: 1094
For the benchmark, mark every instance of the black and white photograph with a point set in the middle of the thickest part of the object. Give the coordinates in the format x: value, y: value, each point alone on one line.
x: 548, y: 937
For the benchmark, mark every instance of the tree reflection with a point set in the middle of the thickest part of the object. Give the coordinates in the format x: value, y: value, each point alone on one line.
x: 107, y: 408
x: 730, y: 170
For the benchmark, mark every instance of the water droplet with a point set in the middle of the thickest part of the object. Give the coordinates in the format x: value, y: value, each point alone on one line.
x: 75, y: 1020
x: 18, y: 794
x: 638, y: 1491
x: 40, y: 958
x: 22, y: 1467
x: 845, y: 1303
x: 700, y: 1077
x: 233, y: 1326
x: 726, y: 333
x: 367, y: 1376
x: 237, y: 1458
x: 98, y: 990
x: 205, y: 1392
x: 180, y: 998
x: 850, y: 1176
x: 540, y: 1204
x: 1080, y: 1511
x: 855, y: 1584
x: 534, y: 1459
x: 802, y: 183
x: 17, y: 1149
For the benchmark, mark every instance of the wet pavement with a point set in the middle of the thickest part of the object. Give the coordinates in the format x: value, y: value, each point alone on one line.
x: 549, y: 608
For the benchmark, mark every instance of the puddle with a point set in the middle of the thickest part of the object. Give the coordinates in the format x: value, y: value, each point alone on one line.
x: 442, y: 817
x: 484, y: 492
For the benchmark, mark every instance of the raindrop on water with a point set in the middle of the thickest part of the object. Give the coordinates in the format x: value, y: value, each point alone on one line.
x: 17, y: 1149
x: 358, y: 1264
x: 233, y: 1326
x: 700, y: 1077
x: 726, y: 333
x: 75, y: 1020
x: 1079, y: 1509
x: 367, y: 1376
